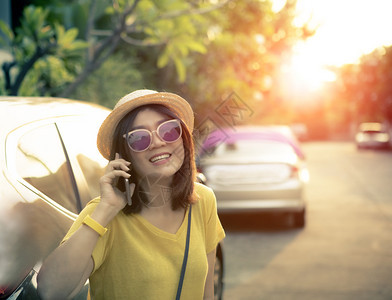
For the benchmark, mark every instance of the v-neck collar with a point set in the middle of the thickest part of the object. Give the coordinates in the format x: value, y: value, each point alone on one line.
x: 162, y: 233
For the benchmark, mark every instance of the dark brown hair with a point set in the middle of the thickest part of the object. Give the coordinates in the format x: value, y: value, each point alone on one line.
x: 183, y: 180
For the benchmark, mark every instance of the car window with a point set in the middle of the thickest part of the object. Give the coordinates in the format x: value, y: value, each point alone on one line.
x: 253, y: 147
x: 373, y: 131
x: 40, y: 160
x: 80, y: 137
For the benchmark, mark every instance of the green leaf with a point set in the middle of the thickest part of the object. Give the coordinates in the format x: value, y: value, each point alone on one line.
x: 69, y: 36
x: 163, y: 60
x: 181, y: 70
x: 6, y: 31
x: 149, y: 31
x: 45, y: 33
x: 60, y: 31
x: 181, y: 46
x: 197, y: 47
x: 78, y: 45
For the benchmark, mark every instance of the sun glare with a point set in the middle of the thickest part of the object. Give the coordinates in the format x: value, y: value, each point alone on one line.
x: 304, y: 73
x: 345, y: 30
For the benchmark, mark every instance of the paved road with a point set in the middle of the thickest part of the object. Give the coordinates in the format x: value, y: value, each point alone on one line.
x: 345, y: 251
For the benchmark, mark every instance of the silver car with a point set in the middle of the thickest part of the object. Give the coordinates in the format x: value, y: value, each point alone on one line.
x: 372, y: 135
x: 256, y: 169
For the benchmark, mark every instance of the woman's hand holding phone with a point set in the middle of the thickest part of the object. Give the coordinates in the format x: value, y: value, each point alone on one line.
x: 117, y: 169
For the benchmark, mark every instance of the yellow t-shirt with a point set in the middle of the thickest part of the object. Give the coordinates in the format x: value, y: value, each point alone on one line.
x: 136, y: 260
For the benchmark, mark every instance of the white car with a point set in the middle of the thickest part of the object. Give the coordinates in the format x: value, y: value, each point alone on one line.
x: 256, y: 169
x: 372, y: 135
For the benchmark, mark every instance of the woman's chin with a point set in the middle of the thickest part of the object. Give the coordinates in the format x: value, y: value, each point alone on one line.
x: 163, y: 176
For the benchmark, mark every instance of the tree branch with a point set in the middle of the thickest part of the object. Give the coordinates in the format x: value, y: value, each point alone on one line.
x: 7, y: 66
x: 197, y: 11
x: 89, y: 28
x: 90, y: 67
x: 108, y: 45
x: 115, y: 34
x: 171, y: 15
x: 141, y: 43
x: 39, y: 52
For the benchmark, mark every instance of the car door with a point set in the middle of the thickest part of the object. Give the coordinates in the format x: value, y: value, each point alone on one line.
x: 43, y: 208
x: 79, y: 135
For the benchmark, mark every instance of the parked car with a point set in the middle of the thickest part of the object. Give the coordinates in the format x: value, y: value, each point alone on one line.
x: 256, y: 169
x: 372, y: 135
x: 50, y: 169
x: 300, y: 130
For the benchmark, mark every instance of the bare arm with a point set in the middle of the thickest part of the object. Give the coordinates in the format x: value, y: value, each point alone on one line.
x: 66, y: 269
x: 209, y: 285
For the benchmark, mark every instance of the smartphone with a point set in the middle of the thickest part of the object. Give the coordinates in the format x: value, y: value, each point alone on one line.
x: 127, y: 191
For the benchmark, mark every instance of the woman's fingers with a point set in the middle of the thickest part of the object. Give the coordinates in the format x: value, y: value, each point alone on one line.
x: 117, y: 158
x: 115, y: 174
x: 116, y: 168
x: 120, y: 173
x: 118, y: 164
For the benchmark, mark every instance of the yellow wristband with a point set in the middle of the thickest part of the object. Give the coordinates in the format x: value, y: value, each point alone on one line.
x: 90, y: 222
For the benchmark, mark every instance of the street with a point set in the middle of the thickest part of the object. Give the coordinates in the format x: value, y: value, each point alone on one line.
x: 345, y: 250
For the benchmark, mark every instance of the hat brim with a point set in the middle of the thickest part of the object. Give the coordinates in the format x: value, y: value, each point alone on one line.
x: 175, y: 103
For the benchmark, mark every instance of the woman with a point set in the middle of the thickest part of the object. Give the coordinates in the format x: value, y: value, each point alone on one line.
x: 130, y: 242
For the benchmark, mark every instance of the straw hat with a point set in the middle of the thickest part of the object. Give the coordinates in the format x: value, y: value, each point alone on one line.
x: 133, y: 100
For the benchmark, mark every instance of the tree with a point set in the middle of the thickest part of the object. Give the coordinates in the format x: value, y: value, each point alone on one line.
x: 171, y: 24
x: 367, y: 87
x: 47, y: 53
x: 247, y: 42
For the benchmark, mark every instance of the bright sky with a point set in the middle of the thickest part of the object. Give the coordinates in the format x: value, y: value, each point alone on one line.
x: 346, y: 29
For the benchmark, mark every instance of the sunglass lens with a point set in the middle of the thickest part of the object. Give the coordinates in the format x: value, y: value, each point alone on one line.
x: 170, y: 131
x: 139, y: 140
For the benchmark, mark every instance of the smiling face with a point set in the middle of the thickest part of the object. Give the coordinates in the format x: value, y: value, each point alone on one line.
x: 161, y: 160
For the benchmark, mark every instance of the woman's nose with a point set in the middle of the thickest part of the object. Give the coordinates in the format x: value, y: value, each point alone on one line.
x: 156, y: 140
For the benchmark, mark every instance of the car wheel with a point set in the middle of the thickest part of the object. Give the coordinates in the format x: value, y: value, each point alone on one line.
x: 299, y: 219
x: 218, y: 276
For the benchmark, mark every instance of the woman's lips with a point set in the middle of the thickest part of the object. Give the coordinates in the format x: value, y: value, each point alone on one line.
x: 160, y: 157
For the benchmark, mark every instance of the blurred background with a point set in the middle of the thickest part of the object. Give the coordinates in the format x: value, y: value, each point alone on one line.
x: 322, y: 66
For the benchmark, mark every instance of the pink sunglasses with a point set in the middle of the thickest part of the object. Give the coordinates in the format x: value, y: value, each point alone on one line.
x: 140, y: 140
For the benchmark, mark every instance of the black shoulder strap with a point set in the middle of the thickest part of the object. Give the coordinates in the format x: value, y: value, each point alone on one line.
x: 185, y: 255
